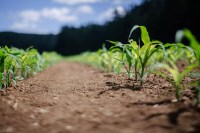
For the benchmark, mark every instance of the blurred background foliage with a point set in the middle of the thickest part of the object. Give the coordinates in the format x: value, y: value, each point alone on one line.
x: 161, y: 17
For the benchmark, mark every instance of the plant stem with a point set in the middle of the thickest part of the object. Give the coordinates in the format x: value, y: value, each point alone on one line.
x: 178, y: 92
x: 136, y: 74
x: 141, y: 76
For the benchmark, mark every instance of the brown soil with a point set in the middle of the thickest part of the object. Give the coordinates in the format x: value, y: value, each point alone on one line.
x: 75, y: 98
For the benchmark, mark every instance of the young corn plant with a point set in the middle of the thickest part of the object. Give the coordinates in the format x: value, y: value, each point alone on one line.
x: 108, y: 62
x: 138, y: 56
x: 17, y: 64
x: 144, y: 53
x: 195, y: 58
x: 2, y: 58
x: 32, y: 62
x: 10, y: 61
x: 158, y: 56
x: 123, y: 57
x: 194, y: 44
x: 174, y: 76
x: 179, y: 51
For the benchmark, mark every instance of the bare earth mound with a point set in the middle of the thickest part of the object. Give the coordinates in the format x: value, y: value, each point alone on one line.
x: 75, y: 98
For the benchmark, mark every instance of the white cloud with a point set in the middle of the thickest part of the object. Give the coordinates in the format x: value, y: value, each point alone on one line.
x: 30, y: 15
x: 23, y: 25
x: 119, y: 1
x: 85, y: 9
x: 135, y: 2
x: 120, y: 10
x: 58, y: 14
x: 109, y: 14
x: 74, y: 2
x: 29, y: 19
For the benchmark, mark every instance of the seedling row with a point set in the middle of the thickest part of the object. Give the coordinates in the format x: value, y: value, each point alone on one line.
x: 18, y: 64
x: 143, y: 56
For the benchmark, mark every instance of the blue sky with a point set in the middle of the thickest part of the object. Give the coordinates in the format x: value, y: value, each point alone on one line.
x: 48, y: 16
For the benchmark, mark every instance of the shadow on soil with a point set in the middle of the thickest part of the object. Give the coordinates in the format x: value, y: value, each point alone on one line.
x: 197, y: 128
x: 116, y: 86
x: 173, y: 118
x: 166, y: 101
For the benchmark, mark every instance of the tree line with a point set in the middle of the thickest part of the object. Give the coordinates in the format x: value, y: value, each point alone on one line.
x: 161, y: 17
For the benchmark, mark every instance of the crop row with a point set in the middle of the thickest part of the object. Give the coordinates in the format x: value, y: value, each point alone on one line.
x: 141, y: 57
x: 18, y: 64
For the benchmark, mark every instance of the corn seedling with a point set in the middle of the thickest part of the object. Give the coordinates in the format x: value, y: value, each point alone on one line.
x: 108, y: 62
x: 179, y: 51
x: 17, y: 64
x: 9, y: 65
x: 194, y: 44
x: 137, y: 56
x: 124, y: 57
x: 174, y: 76
x: 31, y: 63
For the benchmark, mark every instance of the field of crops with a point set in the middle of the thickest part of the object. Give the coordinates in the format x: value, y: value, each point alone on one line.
x: 18, y: 64
x: 139, y: 86
x: 138, y: 59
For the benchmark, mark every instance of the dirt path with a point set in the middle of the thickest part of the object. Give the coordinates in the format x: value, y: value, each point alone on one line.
x: 75, y: 98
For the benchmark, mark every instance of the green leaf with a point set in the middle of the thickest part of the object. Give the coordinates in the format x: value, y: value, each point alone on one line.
x: 116, y: 43
x: 188, y: 69
x: 134, y: 28
x: 145, y: 35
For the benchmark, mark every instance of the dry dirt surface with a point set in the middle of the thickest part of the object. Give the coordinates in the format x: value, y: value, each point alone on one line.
x: 75, y: 98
